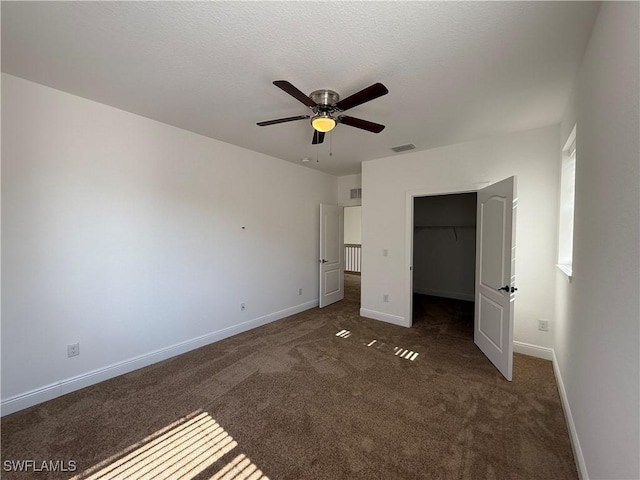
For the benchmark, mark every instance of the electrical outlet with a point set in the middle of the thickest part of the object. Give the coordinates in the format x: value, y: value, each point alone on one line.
x: 385, y: 298
x: 385, y: 252
x: 300, y: 291
x: 543, y: 325
x: 243, y: 307
x: 73, y: 350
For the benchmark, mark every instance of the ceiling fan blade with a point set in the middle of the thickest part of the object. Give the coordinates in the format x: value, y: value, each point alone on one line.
x: 318, y: 137
x: 359, y: 123
x: 374, y: 91
x: 294, y: 92
x: 282, y: 120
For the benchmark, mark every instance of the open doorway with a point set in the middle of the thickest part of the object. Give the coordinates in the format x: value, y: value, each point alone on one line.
x: 444, y: 263
x: 494, y: 287
x: 352, y: 240
x: 352, y: 253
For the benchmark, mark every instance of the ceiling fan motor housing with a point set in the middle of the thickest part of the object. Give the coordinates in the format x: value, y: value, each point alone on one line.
x: 325, y: 99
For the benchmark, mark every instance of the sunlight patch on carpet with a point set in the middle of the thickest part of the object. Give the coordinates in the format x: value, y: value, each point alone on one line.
x: 181, y: 450
x: 240, y: 468
x: 404, y: 353
x: 397, y: 351
x: 343, y: 334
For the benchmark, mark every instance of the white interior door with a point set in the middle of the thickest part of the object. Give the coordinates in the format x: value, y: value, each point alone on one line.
x: 495, y: 257
x: 331, y: 254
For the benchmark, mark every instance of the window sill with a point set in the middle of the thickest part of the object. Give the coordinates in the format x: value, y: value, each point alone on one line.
x: 567, y: 270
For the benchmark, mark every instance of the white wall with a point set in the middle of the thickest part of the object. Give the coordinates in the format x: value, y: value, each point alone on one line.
x: 126, y: 235
x: 353, y: 225
x: 597, y: 315
x: 444, y: 246
x: 345, y: 184
x: 532, y: 155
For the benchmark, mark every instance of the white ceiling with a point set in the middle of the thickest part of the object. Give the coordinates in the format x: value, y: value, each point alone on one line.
x: 455, y: 71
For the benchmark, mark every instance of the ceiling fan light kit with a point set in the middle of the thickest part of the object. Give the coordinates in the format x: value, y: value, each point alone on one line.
x: 326, y: 106
x: 323, y: 122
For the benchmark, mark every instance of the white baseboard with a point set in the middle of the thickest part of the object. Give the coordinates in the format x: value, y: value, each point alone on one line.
x: 573, y: 433
x: 49, y: 392
x: 469, y: 297
x: 384, y: 317
x: 533, y: 350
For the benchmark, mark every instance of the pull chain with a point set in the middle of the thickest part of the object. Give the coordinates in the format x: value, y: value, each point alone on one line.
x: 330, y: 144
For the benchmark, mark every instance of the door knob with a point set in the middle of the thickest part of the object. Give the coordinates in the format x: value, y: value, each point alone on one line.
x: 513, y: 289
x: 323, y: 261
x: 505, y: 288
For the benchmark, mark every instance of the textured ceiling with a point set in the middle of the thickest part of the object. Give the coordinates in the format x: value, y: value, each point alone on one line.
x: 455, y: 71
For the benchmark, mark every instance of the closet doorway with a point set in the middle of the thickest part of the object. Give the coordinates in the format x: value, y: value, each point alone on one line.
x: 494, y: 288
x: 444, y: 262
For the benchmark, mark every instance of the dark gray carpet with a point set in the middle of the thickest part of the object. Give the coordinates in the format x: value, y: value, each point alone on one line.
x: 292, y: 400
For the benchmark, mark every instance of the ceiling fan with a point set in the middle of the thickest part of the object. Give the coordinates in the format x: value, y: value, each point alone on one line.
x: 327, y: 106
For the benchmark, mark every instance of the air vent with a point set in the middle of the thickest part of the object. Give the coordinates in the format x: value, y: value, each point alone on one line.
x: 356, y: 193
x: 404, y: 148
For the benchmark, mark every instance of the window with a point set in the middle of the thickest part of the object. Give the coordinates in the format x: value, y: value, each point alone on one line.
x: 567, y: 202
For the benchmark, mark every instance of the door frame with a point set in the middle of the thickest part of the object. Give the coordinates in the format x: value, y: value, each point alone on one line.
x: 410, y: 195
